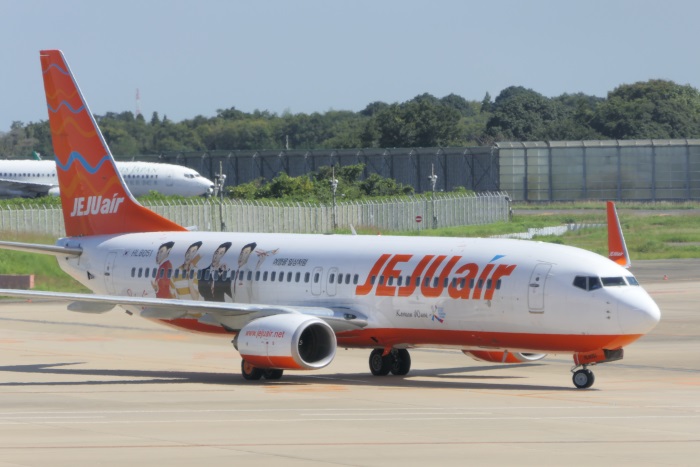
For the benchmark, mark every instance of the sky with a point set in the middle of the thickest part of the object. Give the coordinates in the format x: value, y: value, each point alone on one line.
x: 190, y: 58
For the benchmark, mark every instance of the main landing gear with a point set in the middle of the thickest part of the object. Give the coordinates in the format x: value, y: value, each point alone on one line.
x: 583, y: 378
x: 397, y: 362
x: 252, y: 373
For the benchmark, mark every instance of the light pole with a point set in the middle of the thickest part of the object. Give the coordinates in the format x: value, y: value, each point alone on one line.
x: 433, y: 180
x: 219, y: 180
x: 334, y: 187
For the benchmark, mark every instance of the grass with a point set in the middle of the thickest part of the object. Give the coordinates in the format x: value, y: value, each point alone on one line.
x: 652, y: 234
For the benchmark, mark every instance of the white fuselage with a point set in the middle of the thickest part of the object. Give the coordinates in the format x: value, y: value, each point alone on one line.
x: 32, y: 178
x: 453, y: 292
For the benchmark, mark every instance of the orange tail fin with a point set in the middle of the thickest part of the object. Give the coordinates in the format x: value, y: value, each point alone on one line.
x: 94, y: 197
x: 617, y: 248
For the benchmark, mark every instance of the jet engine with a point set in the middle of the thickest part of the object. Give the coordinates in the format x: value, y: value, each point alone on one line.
x: 287, y: 342
x: 503, y: 356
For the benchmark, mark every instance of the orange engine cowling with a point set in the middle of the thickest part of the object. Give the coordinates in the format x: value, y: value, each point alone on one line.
x: 498, y: 356
x: 287, y: 342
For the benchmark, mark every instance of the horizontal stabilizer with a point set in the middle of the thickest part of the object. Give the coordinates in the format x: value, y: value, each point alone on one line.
x: 43, y: 249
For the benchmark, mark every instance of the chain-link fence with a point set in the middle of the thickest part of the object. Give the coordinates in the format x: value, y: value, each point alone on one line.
x: 442, y: 210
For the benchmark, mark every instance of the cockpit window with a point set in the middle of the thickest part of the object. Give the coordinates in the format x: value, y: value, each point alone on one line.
x: 631, y: 280
x: 587, y: 282
x: 614, y: 281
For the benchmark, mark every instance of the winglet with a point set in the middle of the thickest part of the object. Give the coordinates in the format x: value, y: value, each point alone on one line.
x: 94, y: 197
x: 617, y: 248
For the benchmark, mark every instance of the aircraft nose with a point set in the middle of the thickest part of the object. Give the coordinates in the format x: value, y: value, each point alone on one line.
x: 638, y: 313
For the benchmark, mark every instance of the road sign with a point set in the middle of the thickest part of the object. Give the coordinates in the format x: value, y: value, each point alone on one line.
x: 419, y: 219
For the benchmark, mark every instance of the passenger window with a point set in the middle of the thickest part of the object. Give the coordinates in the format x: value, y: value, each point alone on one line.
x: 381, y: 280
x: 273, y: 275
x: 281, y: 276
x: 297, y: 278
x: 307, y: 277
x: 133, y: 272
x: 331, y: 278
x: 250, y: 275
x: 265, y: 276
x: 390, y: 281
x: 191, y: 273
x: 140, y: 271
x: 347, y: 278
x: 289, y: 276
x: 155, y: 272
x: 374, y: 279
x: 317, y: 276
x: 257, y: 275
x: 355, y: 279
x: 399, y: 281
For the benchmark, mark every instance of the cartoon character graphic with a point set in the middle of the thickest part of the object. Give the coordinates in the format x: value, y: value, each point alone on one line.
x: 242, y: 260
x: 186, y: 286
x: 213, y: 284
x: 162, y: 284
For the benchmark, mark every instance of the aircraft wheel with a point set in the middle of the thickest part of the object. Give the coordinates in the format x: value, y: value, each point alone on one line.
x: 402, y: 362
x: 380, y: 365
x: 583, y: 379
x: 272, y: 373
x: 250, y: 372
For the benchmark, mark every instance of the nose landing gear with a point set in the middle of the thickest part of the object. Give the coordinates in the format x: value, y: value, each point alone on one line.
x: 583, y: 378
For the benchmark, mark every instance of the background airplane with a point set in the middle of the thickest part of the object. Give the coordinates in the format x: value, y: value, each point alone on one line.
x: 290, y: 300
x: 30, y: 178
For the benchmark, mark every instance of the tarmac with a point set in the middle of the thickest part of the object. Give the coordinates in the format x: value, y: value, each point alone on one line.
x: 114, y: 389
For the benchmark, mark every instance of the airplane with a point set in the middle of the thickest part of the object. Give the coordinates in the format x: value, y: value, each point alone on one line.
x: 289, y: 301
x: 31, y: 178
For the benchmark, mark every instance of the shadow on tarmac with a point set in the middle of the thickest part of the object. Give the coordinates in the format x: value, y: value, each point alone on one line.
x: 441, y: 378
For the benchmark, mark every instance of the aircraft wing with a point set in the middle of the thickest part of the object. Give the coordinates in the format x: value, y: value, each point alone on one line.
x: 9, y: 187
x: 340, y: 319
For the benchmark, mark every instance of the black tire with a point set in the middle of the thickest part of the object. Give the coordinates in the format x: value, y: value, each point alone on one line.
x: 583, y: 379
x: 402, y: 362
x: 250, y: 372
x: 272, y: 373
x: 380, y: 365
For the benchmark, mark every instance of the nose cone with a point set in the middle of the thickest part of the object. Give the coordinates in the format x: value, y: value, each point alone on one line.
x: 638, y: 313
x: 206, y: 185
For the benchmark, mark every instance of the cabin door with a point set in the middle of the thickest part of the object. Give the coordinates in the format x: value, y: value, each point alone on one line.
x: 536, y: 286
x: 109, y: 272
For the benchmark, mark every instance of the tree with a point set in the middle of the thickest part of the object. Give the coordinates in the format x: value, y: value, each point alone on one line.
x: 521, y: 114
x: 651, y: 109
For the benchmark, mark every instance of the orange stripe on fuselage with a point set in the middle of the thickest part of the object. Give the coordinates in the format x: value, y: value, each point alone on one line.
x: 387, y: 337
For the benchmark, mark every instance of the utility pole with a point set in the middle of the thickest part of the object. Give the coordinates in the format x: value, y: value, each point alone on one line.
x: 433, y: 180
x: 334, y: 187
x: 219, y: 181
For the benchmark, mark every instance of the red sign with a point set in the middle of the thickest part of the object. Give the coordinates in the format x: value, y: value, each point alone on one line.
x: 419, y: 219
